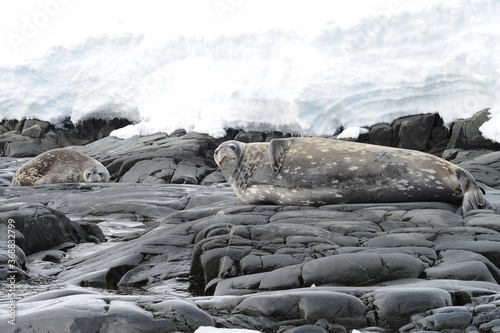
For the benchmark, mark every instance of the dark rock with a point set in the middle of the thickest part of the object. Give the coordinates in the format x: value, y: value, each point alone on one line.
x: 489, y: 249
x: 484, y: 167
x: 280, y: 307
x: 445, y: 320
x: 413, y: 132
x: 466, y: 134
x: 42, y: 227
x: 336, y: 308
x: 466, y: 270
x: 381, y: 134
x: 395, y: 306
x: 399, y: 240
x: 29, y: 148
x: 310, y: 306
x: 187, y: 316
x: 284, y: 278
x: 361, y: 269
x: 250, y: 137
x: 307, y: 329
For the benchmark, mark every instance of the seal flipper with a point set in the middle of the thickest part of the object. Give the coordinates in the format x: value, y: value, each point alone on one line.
x: 473, y: 194
x: 277, y: 152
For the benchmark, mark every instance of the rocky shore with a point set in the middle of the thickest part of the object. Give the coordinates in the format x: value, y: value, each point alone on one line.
x: 168, y: 247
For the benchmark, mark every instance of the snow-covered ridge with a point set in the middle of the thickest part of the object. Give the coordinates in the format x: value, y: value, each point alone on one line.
x: 443, y: 59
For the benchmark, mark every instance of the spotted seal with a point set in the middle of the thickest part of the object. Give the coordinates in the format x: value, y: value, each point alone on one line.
x: 320, y: 171
x: 61, y: 165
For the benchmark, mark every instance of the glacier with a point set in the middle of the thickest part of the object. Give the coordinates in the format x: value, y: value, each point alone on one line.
x: 442, y: 58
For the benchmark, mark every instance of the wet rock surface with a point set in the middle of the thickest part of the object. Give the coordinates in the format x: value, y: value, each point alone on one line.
x: 168, y: 247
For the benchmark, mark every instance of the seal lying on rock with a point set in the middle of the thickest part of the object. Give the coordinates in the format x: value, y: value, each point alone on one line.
x: 62, y: 165
x: 317, y: 171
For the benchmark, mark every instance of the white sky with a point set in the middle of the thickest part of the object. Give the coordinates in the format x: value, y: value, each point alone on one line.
x: 29, y: 27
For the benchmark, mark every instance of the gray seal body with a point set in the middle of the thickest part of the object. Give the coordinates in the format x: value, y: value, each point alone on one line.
x: 61, y: 165
x: 318, y: 171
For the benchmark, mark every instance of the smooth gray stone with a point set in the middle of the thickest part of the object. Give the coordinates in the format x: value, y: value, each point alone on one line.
x: 336, y: 308
x: 466, y: 270
x: 280, y: 307
x: 445, y: 321
x: 399, y: 240
x: 307, y: 329
x: 284, y: 278
x: 488, y: 249
x: 361, y: 268
x: 489, y: 221
x: 395, y: 306
x: 43, y: 228
x: 186, y: 316
x: 308, y: 305
x: 283, y: 230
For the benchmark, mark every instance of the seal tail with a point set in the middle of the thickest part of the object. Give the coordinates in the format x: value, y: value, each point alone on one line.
x: 473, y: 195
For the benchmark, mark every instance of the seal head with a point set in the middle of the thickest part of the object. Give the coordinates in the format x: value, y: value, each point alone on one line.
x: 228, y: 155
x: 96, y: 174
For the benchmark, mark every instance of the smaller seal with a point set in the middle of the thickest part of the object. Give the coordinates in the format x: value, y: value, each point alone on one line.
x: 61, y: 165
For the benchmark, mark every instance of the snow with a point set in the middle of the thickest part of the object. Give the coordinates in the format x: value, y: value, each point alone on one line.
x: 352, y: 133
x: 301, y: 78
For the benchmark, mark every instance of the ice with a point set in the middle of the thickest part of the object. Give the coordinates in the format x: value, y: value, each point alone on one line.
x: 442, y: 58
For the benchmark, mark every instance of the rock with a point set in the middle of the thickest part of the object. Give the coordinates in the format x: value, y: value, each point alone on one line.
x: 307, y: 329
x: 489, y: 249
x: 413, y: 132
x: 466, y: 270
x: 448, y: 318
x: 466, y: 134
x: 336, y: 308
x: 29, y: 138
x: 42, y: 227
x: 381, y: 134
x: 79, y: 311
x: 284, y: 278
x: 187, y: 316
x: 250, y: 137
x: 361, y: 269
x: 280, y: 307
x: 310, y: 306
x: 399, y: 240
x: 484, y: 167
x: 396, y: 306
x: 29, y: 148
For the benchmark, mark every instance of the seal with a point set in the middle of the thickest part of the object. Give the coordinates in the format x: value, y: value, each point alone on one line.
x: 320, y: 171
x: 62, y: 165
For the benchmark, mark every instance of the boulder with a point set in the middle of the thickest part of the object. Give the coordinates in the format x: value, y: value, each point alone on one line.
x: 396, y: 306
x: 43, y: 228
x: 465, y: 133
x: 361, y: 269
